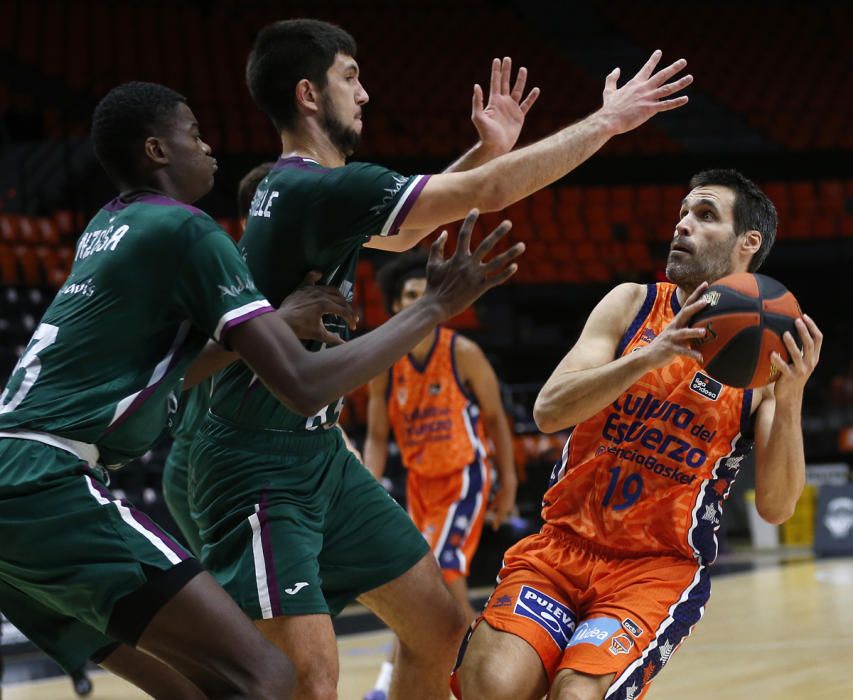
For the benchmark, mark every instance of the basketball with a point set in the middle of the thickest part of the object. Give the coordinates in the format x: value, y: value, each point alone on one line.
x: 745, y: 319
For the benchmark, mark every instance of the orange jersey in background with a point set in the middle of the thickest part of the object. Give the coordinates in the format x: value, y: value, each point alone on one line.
x: 648, y: 474
x: 435, y: 420
x: 436, y: 423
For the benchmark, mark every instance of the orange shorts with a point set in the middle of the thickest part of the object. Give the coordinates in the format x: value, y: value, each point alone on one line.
x: 590, y: 611
x: 449, y: 511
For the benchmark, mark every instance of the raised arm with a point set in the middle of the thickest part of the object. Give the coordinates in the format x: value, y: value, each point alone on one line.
x: 513, y: 176
x: 780, y: 463
x: 590, y: 376
x: 307, y: 381
x: 376, y: 442
x: 477, y: 372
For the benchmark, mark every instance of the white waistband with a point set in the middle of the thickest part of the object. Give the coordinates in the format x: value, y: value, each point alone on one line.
x: 82, y: 450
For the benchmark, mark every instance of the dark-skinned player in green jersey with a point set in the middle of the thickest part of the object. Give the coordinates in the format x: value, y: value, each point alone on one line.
x: 155, y: 292
x: 304, y: 530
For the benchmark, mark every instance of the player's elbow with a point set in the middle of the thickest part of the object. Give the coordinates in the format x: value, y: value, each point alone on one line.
x: 545, y: 418
x: 775, y: 513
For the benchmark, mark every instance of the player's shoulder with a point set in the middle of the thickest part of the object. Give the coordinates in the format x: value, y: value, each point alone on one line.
x: 625, y: 299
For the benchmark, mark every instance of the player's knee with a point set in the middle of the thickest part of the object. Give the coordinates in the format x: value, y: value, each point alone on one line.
x: 443, y: 636
x: 573, y: 686
x: 317, y: 683
x: 272, y: 677
x: 482, y: 677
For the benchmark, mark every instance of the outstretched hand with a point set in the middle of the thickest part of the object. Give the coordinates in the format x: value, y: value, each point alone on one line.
x: 678, y: 337
x: 642, y: 97
x: 304, y: 308
x: 457, y: 282
x: 499, y: 123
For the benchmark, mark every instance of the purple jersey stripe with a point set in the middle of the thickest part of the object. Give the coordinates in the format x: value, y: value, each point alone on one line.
x: 269, y: 561
x: 142, y: 520
x: 242, y: 319
x: 411, y: 198
x: 299, y: 163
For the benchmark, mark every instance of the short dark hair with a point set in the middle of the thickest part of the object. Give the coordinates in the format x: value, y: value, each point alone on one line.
x: 286, y: 52
x: 123, y: 119
x: 393, y: 275
x: 248, y: 185
x: 752, y: 209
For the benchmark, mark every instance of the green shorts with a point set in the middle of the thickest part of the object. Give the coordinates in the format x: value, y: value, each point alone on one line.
x: 175, y: 475
x: 293, y: 523
x: 71, y: 552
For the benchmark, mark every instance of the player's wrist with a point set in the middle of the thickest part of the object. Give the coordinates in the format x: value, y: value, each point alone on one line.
x: 605, y: 123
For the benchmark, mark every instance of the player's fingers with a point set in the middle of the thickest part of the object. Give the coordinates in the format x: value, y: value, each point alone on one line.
x: 502, y: 260
x: 311, y: 278
x: 805, y: 338
x: 782, y: 366
x: 330, y: 338
x: 341, y: 307
x: 495, y: 79
x: 667, y: 105
x: 506, y: 70
x: 664, y: 74
x: 530, y: 100
x: 611, y: 80
x: 696, y: 294
x: 436, y: 250
x: 491, y: 240
x: 670, y: 88
x: 520, y: 82
x: 684, y: 335
x: 650, y: 65
x: 794, y: 351
x: 463, y: 242
x: 499, y: 279
x: 477, y: 100
x: 816, y: 334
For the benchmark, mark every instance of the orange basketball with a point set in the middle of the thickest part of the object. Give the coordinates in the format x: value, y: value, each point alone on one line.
x: 745, y: 318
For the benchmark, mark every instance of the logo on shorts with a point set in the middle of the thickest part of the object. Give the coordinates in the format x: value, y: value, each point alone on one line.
x: 632, y: 627
x: 595, y: 631
x: 296, y: 588
x: 554, y: 617
x: 621, y: 644
x: 703, y: 385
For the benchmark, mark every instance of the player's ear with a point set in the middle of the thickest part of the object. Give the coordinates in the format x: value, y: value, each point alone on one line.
x: 396, y: 307
x: 154, y: 151
x: 307, y: 97
x: 750, y: 242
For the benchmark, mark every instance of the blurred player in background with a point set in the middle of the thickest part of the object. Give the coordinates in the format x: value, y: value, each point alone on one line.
x: 600, y: 599
x: 442, y: 401
x: 315, y: 212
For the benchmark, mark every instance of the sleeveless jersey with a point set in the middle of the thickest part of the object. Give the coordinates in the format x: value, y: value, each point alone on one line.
x: 649, y: 473
x: 435, y: 420
x: 152, y: 279
x: 306, y: 217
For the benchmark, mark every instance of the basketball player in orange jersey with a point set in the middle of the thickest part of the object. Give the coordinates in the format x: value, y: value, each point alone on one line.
x: 441, y: 401
x: 595, y: 604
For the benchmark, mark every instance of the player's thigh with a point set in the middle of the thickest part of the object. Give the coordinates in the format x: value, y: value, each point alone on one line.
x: 497, y: 665
x: 419, y: 608
x: 157, y: 679
x: 309, y: 642
x: 202, y: 634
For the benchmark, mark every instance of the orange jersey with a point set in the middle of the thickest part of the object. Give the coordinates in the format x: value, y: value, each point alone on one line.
x: 435, y: 420
x: 649, y: 473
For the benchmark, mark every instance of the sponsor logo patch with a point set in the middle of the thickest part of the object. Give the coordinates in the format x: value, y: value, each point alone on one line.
x: 434, y: 389
x: 621, y: 644
x: 503, y: 602
x: 554, y: 617
x: 839, y: 517
x: 711, y: 298
x: 703, y: 385
x: 632, y: 627
x: 595, y: 631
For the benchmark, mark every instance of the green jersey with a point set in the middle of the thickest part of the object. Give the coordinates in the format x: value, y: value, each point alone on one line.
x: 306, y: 217
x: 152, y: 280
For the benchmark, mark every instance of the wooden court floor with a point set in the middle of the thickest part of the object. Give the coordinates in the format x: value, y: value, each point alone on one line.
x: 779, y: 633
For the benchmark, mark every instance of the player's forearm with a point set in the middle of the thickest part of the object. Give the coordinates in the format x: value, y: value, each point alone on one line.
x: 210, y: 360
x: 780, y: 466
x: 375, y: 455
x: 515, y: 175
x: 497, y: 428
x: 571, y: 396
x: 474, y: 157
x: 335, y: 371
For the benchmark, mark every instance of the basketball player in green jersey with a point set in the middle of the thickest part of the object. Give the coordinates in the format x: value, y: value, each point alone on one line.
x: 304, y: 530
x: 303, y: 310
x: 153, y: 278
